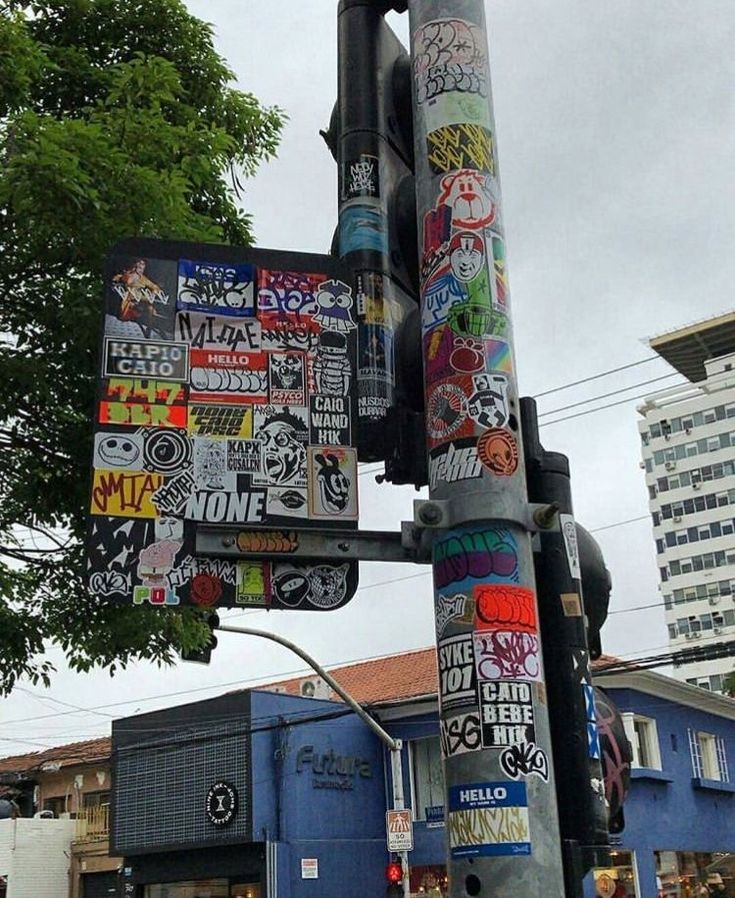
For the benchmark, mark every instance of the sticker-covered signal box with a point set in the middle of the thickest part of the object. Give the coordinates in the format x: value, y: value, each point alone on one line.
x: 227, y: 396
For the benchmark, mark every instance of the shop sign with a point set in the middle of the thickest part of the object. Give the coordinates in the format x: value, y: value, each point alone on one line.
x: 330, y: 770
x: 434, y: 816
x: 221, y: 804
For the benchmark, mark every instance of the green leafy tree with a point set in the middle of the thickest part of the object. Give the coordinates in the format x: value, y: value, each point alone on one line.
x: 117, y: 118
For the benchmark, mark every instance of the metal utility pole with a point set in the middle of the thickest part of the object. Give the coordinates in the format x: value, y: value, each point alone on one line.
x: 395, y: 746
x: 501, y: 810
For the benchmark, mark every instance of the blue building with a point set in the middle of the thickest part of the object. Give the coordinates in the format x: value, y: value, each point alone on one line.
x: 282, y: 791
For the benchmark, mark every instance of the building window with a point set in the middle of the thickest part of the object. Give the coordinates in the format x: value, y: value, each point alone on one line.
x: 57, y: 805
x: 96, y: 799
x: 643, y: 736
x: 428, y: 777
x: 619, y: 879
x: 689, y: 874
x: 709, y: 759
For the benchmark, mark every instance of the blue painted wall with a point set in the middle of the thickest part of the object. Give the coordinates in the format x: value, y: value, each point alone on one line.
x: 344, y: 828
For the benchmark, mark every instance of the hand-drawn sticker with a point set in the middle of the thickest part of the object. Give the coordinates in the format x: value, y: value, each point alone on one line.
x: 506, y: 711
x: 166, y: 451
x: 267, y: 542
x: 457, y: 674
x: 215, y: 334
x: 468, y: 193
x: 525, y: 760
x: 505, y: 606
x: 210, y: 465
x: 253, y: 584
x: 455, y: 461
x: 124, y: 494
x: 571, y: 545
x: 188, y: 567
x: 217, y: 507
x: 156, y: 560
x: 221, y: 288
x: 110, y: 583
x: 498, y: 356
x: 452, y: 147
x: 507, y: 655
x: 456, y: 108
x: 171, y: 497
x: 283, y: 436
x: 285, y: 334
x: 436, y: 235
x: 286, y: 378
x: 331, y: 364
x: 140, y: 300
x: 287, y: 502
x: 362, y: 227
x: 361, y: 177
x: 221, y: 420
x: 230, y: 384
x: 488, y: 820
x: 447, y: 609
x: 498, y: 451
x: 118, y: 450
x: 332, y: 476
x: 478, y: 553
x: 459, y: 734
x: 438, y: 295
x: 471, y: 318
x: 146, y: 359
x: 488, y: 406
x: 243, y: 456
x: 154, y: 595
x: 446, y: 412
x: 449, y: 56
x: 135, y: 414
x: 335, y: 302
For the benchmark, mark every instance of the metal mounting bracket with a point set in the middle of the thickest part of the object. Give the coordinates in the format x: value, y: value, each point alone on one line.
x: 443, y: 514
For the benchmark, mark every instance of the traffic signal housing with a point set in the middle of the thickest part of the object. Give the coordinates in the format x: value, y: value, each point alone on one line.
x: 204, y: 654
x: 394, y: 877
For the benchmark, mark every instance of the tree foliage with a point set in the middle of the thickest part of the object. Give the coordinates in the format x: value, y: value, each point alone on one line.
x: 117, y: 119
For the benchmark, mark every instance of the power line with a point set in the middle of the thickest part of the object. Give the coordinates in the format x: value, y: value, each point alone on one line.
x: 643, y: 517
x: 602, y: 407
x: 637, y: 386
x: 584, y: 380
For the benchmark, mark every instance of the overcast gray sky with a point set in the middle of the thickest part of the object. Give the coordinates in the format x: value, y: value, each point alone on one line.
x: 616, y: 134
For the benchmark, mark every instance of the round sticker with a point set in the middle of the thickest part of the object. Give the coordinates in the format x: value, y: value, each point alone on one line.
x: 447, y: 410
x: 498, y: 451
x: 221, y: 803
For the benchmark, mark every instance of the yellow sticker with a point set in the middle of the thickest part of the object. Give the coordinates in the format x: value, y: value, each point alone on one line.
x: 124, y: 494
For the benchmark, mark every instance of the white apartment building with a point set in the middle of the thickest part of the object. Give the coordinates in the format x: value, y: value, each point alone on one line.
x: 688, y: 448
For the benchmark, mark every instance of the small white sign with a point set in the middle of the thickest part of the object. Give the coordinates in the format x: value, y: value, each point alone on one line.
x: 399, y: 829
x: 310, y: 868
x: 569, y: 534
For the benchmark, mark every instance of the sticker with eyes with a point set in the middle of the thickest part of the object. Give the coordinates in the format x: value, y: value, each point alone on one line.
x: 118, y: 450
x: 335, y: 301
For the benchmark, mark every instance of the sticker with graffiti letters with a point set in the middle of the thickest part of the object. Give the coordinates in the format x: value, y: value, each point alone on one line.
x: 145, y: 359
x: 456, y: 461
x: 286, y: 378
x: 459, y: 734
x: 453, y: 147
x: 505, y: 606
x: 214, y: 334
x: 507, y: 655
x: 525, y: 760
x: 219, y: 288
x: 449, y: 56
x: 266, y: 542
x: 459, y: 609
x: 361, y: 177
x: 136, y: 414
x: 474, y: 554
x: 123, y: 494
x: 488, y: 819
x: 221, y: 420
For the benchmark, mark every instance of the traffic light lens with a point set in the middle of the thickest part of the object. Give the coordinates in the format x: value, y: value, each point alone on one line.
x: 394, y: 872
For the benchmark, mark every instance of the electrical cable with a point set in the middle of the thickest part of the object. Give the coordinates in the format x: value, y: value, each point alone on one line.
x: 602, y: 407
x: 584, y: 380
x: 642, y: 383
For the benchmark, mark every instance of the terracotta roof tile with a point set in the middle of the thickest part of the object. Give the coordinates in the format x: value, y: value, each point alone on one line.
x: 63, y: 755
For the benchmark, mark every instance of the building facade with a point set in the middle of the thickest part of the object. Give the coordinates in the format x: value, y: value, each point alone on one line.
x: 688, y: 454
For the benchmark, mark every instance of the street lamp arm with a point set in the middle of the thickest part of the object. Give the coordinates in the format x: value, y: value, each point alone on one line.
x: 388, y: 740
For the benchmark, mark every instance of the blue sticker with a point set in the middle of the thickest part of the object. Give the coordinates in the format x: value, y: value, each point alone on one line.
x: 488, y: 819
x: 593, y: 739
x: 220, y: 288
x: 362, y: 228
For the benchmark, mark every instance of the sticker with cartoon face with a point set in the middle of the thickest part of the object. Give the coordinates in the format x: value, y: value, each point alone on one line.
x: 283, y: 436
x: 335, y: 301
x: 466, y: 255
x: 118, y: 450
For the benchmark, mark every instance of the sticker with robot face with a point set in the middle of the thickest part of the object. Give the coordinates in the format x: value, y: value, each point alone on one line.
x: 488, y: 405
x: 118, y: 450
x: 332, y: 482
x: 283, y: 434
x: 286, y: 378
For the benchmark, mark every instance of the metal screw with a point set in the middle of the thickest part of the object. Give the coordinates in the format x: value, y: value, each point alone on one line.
x: 544, y: 517
x: 228, y: 541
x: 343, y: 547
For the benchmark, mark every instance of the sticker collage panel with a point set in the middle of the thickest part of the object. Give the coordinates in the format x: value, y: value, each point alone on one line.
x: 227, y: 396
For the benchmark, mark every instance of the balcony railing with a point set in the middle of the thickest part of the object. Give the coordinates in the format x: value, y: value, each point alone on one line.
x: 93, y: 824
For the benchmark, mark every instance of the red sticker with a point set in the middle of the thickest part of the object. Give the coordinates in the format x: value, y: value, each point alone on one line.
x: 503, y: 606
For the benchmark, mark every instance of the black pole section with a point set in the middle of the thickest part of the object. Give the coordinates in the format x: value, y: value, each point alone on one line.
x: 577, y: 763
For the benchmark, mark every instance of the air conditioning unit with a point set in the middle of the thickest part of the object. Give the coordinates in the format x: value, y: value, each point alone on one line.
x: 687, y: 636
x: 667, y: 437
x: 714, y: 600
x: 642, y: 465
x: 717, y: 629
x: 696, y: 635
x: 670, y: 465
x: 688, y: 430
x: 697, y: 485
x: 314, y: 687
x: 677, y: 518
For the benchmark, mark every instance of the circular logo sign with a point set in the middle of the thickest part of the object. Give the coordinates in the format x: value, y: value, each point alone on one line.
x: 497, y: 450
x: 221, y: 803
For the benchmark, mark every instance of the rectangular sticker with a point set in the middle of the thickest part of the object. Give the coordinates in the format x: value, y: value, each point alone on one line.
x: 147, y: 359
x: 123, y: 494
x: 212, y: 333
x: 569, y: 535
x: 329, y: 420
x: 224, y: 288
x: 286, y: 378
x: 145, y: 392
x: 457, y: 676
x: 332, y: 483
x: 221, y: 420
x: 507, y: 655
x: 488, y: 819
x: 136, y: 414
x: 506, y: 709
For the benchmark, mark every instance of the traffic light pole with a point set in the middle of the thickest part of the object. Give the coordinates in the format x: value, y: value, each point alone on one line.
x: 501, y: 810
x: 395, y: 746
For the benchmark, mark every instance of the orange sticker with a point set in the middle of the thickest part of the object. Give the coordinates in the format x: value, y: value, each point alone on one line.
x: 498, y: 451
x: 143, y: 415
